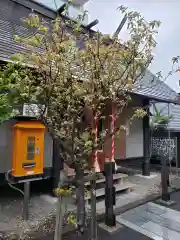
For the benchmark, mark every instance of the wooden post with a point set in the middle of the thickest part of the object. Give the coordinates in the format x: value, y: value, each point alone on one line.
x: 165, y: 179
x: 26, y: 200
x: 146, y: 142
x: 93, y: 208
x: 113, y: 121
x: 109, y: 169
x: 164, y: 169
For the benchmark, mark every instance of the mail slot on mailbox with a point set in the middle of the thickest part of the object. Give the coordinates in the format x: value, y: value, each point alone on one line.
x: 28, y: 149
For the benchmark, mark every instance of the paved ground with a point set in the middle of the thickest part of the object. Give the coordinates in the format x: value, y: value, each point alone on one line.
x: 141, y: 188
x: 127, y: 233
x: 154, y: 220
x: 42, y: 208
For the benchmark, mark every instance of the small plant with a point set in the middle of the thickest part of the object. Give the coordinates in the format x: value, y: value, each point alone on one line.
x: 63, y: 192
x: 158, y: 119
x: 72, y: 219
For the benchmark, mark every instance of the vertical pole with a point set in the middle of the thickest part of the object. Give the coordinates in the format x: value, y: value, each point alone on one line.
x: 112, y: 138
x: 96, y: 137
x: 59, y: 210
x: 80, y: 198
x: 178, y: 149
x: 109, y: 169
x: 110, y: 219
x: 165, y: 169
x: 93, y: 209
x: 164, y: 179
x: 146, y: 142
x: 59, y: 218
x: 169, y: 149
x: 93, y: 185
x: 26, y: 200
x: 96, y: 166
x: 113, y: 120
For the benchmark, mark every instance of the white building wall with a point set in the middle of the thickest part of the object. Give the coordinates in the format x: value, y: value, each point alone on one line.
x: 134, y: 139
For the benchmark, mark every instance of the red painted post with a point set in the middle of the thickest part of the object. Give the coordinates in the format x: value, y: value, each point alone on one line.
x: 96, y: 164
x: 95, y: 168
x: 109, y: 169
x: 112, y: 138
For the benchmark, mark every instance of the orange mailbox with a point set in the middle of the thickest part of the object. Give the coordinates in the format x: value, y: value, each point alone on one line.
x: 28, y: 149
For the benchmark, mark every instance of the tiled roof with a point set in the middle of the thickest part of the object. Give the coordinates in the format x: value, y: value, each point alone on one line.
x: 150, y: 86
x: 11, y: 13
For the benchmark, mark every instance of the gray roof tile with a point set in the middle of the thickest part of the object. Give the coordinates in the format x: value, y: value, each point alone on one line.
x: 152, y: 87
x: 11, y: 13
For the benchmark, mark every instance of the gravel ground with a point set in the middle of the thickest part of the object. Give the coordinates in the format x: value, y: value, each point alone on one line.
x: 124, y: 233
x: 42, y: 212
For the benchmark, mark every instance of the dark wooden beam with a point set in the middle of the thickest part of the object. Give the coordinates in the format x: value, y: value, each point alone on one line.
x: 121, y: 25
x: 61, y: 9
x: 92, y: 24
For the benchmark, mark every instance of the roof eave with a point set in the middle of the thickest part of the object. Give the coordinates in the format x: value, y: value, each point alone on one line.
x: 157, y: 99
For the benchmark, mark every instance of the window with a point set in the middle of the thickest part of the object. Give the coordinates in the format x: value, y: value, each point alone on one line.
x: 30, y: 148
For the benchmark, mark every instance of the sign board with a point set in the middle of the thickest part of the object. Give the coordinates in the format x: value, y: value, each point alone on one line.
x: 33, y: 110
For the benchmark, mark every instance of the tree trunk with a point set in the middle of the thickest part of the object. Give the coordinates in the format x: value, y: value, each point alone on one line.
x: 93, y: 208
x: 80, y: 198
x: 59, y: 210
x: 59, y: 220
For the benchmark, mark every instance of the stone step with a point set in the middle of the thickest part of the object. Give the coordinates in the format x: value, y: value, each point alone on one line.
x: 116, y: 176
x: 122, y: 199
x: 119, y: 188
x: 100, y: 193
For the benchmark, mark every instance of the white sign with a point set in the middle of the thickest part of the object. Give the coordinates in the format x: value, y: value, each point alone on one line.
x: 33, y: 110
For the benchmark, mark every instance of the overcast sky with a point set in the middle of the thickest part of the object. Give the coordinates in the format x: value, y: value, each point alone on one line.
x: 167, y: 11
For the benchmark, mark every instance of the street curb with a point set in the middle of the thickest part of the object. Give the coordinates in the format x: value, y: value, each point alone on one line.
x: 148, y: 198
